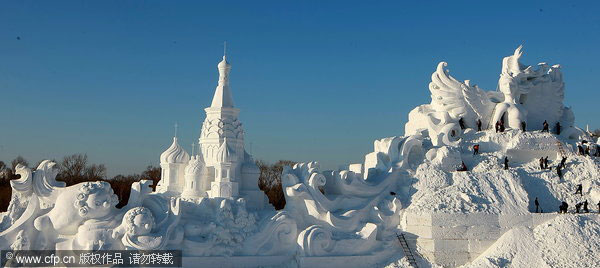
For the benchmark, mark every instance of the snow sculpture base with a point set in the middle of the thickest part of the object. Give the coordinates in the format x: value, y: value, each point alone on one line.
x: 454, y: 239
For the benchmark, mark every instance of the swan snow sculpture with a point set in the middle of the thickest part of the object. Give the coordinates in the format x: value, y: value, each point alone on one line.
x: 524, y: 95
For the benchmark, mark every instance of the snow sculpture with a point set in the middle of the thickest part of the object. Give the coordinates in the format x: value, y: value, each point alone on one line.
x: 525, y: 95
x: 138, y: 229
x: 222, y: 168
x: 208, y: 203
x: 172, y: 162
x: 322, y: 218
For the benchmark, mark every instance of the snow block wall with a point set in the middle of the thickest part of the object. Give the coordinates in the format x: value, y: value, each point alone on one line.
x: 453, y: 239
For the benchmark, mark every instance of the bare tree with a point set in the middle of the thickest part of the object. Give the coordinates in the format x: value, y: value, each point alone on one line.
x: 152, y: 173
x: 270, y: 181
x: 19, y: 160
x: 74, y: 169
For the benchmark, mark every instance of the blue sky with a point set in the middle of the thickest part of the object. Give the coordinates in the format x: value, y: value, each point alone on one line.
x: 315, y: 80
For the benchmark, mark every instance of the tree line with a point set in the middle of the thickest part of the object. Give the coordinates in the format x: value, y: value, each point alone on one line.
x: 74, y: 169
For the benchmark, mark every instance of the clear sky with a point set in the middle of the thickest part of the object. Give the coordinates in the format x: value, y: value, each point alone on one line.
x: 317, y: 80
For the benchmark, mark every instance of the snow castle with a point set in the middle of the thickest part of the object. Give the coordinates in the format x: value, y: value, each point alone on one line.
x: 208, y: 204
x: 222, y: 168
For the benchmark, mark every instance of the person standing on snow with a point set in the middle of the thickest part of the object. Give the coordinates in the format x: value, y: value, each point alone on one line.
x: 579, y: 189
x: 542, y: 163
x: 475, y: 149
x: 563, y: 208
x: 563, y: 162
x: 577, y: 207
x: 585, y: 207
x: 478, y: 124
x: 580, y: 149
x: 557, y: 128
x: 545, y: 129
x: 546, y: 162
x: 523, y: 126
x: 505, y: 163
x: 461, y: 122
x: 537, y: 205
x: 463, y: 167
x: 559, y: 172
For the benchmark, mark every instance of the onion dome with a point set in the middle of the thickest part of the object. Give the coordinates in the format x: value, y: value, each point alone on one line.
x: 225, y: 154
x: 224, y: 64
x: 195, y: 166
x: 174, y: 154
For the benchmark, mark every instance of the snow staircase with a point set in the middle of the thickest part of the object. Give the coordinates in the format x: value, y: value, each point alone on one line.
x: 407, y: 252
x: 561, y: 148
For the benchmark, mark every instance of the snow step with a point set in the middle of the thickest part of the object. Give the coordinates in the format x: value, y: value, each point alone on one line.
x: 561, y: 149
x: 407, y: 252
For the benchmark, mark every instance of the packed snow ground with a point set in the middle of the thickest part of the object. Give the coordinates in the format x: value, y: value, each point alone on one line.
x: 565, y: 241
x: 487, y: 187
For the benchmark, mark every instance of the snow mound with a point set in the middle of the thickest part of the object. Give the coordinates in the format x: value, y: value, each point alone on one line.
x: 488, y: 188
x: 565, y: 241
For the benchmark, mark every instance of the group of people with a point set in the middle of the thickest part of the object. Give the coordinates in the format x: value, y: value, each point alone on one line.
x: 585, y: 148
x: 546, y: 127
x: 500, y: 126
x: 579, y: 207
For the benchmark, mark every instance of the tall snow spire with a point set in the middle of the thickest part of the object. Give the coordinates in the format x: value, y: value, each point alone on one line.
x: 222, y: 98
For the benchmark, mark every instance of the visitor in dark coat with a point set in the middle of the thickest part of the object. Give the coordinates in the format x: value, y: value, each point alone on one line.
x: 557, y: 128
x: 505, y: 163
x: 563, y: 162
x: 545, y: 129
x: 537, y: 205
x: 579, y: 189
x: 478, y: 124
x: 585, y: 207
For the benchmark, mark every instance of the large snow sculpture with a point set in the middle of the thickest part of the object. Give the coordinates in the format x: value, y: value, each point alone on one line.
x: 525, y: 96
x: 222, y: 167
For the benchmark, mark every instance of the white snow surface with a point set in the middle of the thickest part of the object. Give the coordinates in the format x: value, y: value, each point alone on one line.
x: 566, y: 241
x: 488, y: 188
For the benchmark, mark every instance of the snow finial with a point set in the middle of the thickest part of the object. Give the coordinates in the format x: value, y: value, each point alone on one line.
x: 193, y: 147
x: 176, y: 126
x: 224, y: 49
x: 222, y: 97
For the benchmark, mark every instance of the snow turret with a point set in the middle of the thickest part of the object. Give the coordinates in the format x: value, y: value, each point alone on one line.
x: 172, y: 162
x: 196, y: 178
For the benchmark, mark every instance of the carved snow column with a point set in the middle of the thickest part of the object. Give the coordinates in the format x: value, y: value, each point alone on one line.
x: 225, y: 184
x: 197, y: 182
x: 173, y: 162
